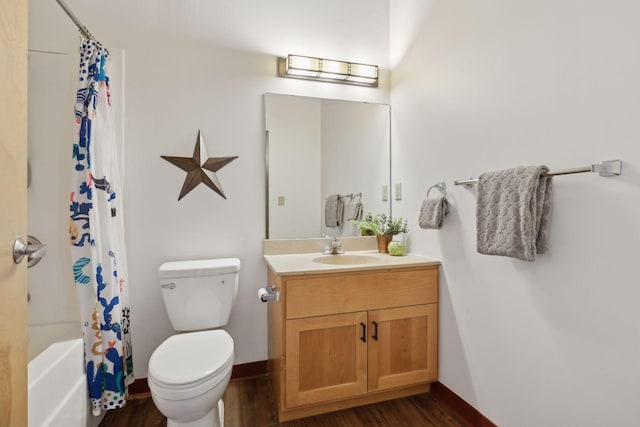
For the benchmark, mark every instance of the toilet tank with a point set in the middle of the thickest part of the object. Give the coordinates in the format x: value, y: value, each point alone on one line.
x: 199, y: 294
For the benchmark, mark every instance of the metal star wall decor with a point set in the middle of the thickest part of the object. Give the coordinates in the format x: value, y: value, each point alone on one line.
x: 200, y: 168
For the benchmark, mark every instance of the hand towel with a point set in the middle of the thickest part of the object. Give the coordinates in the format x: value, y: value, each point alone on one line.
x: 340, y: 212
x: 513, y: 212
x: 355, y: 211
x: 432, y: 212
x: 333, y: 211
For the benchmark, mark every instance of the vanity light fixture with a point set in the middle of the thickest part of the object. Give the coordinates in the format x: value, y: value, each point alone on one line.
x: 328, y: 70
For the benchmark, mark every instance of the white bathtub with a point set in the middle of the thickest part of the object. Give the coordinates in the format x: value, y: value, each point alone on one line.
x: 57, y: 382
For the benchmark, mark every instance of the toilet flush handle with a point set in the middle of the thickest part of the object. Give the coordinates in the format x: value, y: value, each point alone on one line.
x: 169, y: 285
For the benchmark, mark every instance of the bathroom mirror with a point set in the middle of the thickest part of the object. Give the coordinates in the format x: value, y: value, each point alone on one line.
x: 321, y: 147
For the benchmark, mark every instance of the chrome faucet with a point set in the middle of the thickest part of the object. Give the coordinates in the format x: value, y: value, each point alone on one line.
x: 335, y: 248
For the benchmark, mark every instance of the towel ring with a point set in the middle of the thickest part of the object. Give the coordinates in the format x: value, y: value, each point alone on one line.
x: 441, y: 186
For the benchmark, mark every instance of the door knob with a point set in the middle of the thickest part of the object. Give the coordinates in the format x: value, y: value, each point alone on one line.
x: 34, y: 250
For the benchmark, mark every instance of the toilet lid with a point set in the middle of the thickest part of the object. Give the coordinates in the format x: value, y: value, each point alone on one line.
x: 191, y: 357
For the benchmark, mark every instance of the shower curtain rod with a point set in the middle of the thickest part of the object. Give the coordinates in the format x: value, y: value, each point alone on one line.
x: 81, y: 27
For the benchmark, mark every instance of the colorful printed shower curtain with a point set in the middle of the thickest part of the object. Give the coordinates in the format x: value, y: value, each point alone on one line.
x: 96, y: 230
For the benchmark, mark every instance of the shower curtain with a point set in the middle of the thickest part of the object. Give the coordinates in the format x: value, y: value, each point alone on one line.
x: 96, y: 231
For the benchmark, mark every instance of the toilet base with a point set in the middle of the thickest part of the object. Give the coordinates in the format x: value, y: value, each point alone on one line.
x: 215, y: 418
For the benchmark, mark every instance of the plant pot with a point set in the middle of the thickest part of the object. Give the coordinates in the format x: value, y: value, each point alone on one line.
x: 383, y: 242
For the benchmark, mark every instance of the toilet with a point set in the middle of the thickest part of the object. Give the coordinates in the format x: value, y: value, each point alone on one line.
x: 189, y: 372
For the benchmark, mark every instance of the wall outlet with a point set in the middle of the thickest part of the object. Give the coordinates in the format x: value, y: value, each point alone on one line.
x: 385, y: 193
x: 398, y: 191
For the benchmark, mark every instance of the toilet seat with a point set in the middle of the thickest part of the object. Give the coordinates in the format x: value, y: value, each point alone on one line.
x: 189, y: 364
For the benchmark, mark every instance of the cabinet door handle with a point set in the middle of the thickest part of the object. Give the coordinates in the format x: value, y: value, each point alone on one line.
x: 364, y: 332
x: 375, y: 331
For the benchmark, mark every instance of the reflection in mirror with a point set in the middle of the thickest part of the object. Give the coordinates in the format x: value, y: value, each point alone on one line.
x: 318, y: 148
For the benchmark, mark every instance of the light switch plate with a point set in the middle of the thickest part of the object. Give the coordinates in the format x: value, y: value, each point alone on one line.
x: 398, y: 191
x: 385, y: 193
x: 280, y: 200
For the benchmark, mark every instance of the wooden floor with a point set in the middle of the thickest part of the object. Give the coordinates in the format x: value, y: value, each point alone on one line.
x: 250, y: 403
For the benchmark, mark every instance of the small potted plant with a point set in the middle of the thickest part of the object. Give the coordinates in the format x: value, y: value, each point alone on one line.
x: 382, y: 226
x: 368, y: 226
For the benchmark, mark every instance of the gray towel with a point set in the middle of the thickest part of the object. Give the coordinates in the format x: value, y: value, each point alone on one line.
x: 355, y: 211
x: 432, y: 212
x: 333, y: 211
x: 340, y: 212
x: 513, y: 212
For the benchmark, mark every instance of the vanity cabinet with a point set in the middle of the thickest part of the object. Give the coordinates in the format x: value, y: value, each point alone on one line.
x: 344, y: 339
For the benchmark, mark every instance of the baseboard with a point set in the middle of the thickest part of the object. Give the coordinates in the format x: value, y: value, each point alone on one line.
x: 243, y: 371
x: 249, y: 370
x: 139, y: 389
x: 459, y: 405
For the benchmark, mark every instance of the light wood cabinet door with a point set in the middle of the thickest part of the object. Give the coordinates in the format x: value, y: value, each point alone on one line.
x: 326, y: 358
x: 402, y: 346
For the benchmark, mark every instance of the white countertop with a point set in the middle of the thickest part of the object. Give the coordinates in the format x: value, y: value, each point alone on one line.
x: 302, y: 263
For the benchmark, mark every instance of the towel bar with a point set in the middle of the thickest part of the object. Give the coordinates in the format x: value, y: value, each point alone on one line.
x: 351, y: 195
x: 604, y: 168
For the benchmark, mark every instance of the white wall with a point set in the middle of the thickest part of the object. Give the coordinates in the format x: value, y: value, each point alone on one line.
x: 489, y: 85
x: 51, y: 126
x: 199, y: 64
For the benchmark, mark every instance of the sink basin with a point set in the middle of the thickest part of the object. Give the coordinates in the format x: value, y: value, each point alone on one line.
x: 345, y: 259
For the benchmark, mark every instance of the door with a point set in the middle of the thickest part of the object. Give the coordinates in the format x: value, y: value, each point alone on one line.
x: 13, y: 209
x: 326, y: 358
x: 403, y: 346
